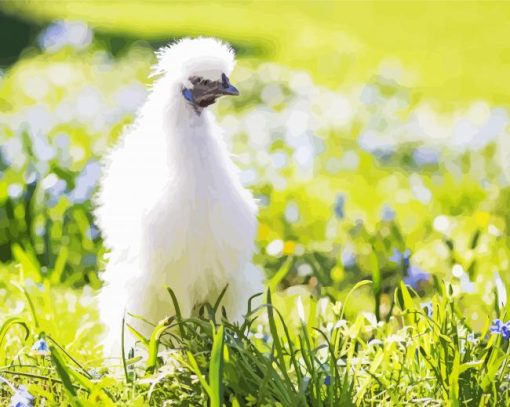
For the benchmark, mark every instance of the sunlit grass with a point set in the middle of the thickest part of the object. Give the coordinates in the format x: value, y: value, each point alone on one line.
x: 295, y: 351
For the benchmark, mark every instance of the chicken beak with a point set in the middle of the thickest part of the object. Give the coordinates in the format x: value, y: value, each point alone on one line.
x: 231, y: 90
x: 227, y: 88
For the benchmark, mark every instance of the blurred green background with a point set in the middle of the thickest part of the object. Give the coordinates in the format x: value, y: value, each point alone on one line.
x: 453, y: 51
x: 375, y: 135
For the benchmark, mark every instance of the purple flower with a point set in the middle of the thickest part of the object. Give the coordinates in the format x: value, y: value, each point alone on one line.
x: 415, y: 275
x: 501, y: 328
x: 402, y: 258
x: 22, y: 398
x: 327, y: 380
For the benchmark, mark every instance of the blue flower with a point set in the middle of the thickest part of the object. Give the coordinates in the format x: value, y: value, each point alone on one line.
x: 327, y: 380
x: 22, y: 398
x: 40, y: 348
x: 348, y: 258
x: 472, y: 338
x: 388, y: 213
x: 501, y: 328
x: 415, y: 275
x: 402, y: 258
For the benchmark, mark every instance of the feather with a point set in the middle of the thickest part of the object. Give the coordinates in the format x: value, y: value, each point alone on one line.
x: 170, y: 205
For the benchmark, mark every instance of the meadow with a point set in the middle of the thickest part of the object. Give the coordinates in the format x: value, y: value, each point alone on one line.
x: 384, y: 218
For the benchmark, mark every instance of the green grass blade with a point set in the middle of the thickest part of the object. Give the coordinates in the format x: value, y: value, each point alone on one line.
x: 280, y: 274
x: 154, y: 344
x: 29, y: 263
x: 280, y: 354
x: 178, y: 314
x: 376, y: 279
x: 356, y: 286
x: 216, y: 369
x: 30, y: 303
x: 62, y: 349
x: 198, y: 372
x: 123, y: 350
x: 60, y: 264
x: 63, y: 372
x: 6, y: 326
x: 220, y: 297
x: 138, y: 335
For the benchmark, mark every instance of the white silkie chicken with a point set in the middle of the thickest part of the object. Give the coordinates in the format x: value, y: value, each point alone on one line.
x: 170, y: 206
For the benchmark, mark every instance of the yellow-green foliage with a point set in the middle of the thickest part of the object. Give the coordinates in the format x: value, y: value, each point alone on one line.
x: 453, y: 52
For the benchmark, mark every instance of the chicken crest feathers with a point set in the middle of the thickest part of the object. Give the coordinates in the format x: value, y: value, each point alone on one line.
x: 194, y: 56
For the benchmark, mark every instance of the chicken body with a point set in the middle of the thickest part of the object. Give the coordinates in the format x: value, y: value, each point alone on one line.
x: 174, y: 213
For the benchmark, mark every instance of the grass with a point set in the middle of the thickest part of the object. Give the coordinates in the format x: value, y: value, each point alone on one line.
x: 419, y: 354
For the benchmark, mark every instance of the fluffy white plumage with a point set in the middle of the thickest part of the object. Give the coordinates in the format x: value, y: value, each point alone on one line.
x: 171, y: 207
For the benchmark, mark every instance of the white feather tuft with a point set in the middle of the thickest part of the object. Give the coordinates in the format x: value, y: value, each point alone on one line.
x: 188, y: 57
x: 171, y: 207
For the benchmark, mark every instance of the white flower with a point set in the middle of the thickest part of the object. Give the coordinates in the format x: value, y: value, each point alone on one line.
x: 300, y: 309
x: 40, y: 348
